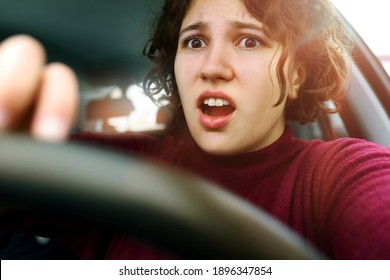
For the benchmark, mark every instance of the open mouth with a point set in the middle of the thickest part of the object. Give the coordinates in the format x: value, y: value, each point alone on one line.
x: 216, y: 107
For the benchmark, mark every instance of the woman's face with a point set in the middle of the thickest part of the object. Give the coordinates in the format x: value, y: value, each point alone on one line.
x: 225, y: 71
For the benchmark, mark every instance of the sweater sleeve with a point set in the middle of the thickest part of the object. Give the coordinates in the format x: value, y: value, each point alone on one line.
x: 353, y: 199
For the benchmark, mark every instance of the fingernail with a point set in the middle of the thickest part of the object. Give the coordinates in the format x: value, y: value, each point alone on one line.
x: 4, y: 119
x: 50, y: 128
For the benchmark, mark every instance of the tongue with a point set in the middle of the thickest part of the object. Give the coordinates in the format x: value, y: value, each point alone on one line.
x: 215, y: 111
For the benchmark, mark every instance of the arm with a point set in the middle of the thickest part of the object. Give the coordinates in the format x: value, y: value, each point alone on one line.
x: 356, y: 193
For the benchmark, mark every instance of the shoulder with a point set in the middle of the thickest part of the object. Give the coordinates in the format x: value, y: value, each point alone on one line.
x: 344, y: 162
x: 358, y: 162
x: 346, y: 150
x: 350, y: 151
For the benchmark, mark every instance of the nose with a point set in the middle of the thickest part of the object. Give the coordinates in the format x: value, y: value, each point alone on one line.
x: 217, y: 64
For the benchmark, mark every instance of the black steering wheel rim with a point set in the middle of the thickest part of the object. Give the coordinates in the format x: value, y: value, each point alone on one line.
x: 191, y: 216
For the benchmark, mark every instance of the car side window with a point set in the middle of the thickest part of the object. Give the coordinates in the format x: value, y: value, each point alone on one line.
x: 370, y: 20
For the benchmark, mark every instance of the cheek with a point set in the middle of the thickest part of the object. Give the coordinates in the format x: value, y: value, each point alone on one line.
x: 182, y: 73
x: 182, y: 84
x: 186, y: 72
x: 261, y: 85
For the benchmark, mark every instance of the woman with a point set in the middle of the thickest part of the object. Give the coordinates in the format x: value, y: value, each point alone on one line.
x: 237, y: 70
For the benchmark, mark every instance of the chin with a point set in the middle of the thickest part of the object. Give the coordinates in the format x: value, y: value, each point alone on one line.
x: 218, y: 150
x: 216, y: 143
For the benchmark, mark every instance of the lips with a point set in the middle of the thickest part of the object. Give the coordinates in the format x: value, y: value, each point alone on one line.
x: 215, y: 109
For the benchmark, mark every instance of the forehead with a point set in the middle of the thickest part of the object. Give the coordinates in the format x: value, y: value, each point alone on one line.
x: 218, y: 10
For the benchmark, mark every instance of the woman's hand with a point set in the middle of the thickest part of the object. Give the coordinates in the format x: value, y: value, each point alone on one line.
x: 38, y: 97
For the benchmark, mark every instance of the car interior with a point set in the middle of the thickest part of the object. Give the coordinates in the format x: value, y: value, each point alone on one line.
x: 103, y: 41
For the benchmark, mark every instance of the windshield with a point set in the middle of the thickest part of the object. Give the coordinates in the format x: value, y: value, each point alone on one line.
x: 370, y: 20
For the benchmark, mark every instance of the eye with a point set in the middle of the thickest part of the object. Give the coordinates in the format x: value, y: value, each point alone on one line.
x: 194, y: 43
x: 249, y: 43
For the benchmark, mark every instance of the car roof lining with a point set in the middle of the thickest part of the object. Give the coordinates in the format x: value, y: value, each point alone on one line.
x: 95, y: 37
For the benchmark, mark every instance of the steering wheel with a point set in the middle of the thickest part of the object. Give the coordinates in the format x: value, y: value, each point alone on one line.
x: 191, y: 216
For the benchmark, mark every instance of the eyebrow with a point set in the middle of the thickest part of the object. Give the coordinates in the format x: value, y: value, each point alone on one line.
x: 199, y: 25
x: 246, y: 25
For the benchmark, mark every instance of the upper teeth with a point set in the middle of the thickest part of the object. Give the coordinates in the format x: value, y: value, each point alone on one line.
x: 216, y: 102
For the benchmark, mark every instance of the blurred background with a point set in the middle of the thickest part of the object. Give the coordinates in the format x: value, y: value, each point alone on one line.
x: 371, y: 20
x: 103, y: 42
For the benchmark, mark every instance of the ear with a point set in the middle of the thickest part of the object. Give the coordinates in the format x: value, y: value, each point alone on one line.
x: 298, y: 77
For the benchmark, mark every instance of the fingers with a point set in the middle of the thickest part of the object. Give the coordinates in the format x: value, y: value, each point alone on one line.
x: 43, y: 96
x: 21, y: 62
x: 57, y: 103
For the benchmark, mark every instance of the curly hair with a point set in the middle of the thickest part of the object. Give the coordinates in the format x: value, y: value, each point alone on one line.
x: 310, y: 32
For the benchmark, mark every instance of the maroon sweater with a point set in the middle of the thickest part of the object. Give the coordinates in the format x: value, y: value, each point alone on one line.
x: 336, y: 194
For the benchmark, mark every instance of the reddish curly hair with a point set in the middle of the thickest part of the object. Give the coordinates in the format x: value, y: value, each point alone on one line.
x: 310, y: 32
